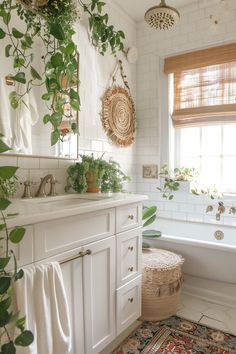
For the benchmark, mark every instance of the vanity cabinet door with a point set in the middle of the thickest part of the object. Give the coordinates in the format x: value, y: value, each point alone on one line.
x: 99, y: 295
x: 73, y: 279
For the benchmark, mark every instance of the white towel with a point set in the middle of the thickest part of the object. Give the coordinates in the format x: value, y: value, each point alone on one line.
x: 40, y: 295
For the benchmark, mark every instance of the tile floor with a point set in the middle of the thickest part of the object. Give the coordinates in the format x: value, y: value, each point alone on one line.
x: 208, y: 313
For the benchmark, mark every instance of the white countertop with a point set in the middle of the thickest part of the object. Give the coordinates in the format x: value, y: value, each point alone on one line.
x: 36, y: 210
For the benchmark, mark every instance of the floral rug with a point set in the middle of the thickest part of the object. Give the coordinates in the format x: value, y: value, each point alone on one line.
x: 179, y: 336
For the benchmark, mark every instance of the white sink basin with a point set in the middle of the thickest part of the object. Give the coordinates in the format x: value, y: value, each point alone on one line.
x: 67, y: 201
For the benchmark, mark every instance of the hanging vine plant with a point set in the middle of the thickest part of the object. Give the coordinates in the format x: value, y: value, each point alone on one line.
x: 52, y: 21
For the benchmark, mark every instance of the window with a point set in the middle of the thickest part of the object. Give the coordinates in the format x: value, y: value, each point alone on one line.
x: 212, y: 151
x: 204, y: 114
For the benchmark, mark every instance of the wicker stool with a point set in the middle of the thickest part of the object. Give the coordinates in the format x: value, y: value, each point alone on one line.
x: 161, y: 285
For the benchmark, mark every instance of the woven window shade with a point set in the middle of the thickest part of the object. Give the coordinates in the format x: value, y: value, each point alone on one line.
x: 205, y: 95
x: 204, y: 86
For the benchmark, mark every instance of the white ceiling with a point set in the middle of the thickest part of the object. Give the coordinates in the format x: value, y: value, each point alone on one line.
x: 137, y: 8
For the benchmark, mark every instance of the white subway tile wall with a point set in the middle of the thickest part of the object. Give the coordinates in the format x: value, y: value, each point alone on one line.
x: 195, y: 31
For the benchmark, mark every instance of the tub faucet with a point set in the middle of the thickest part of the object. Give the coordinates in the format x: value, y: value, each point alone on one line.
x: 221, y: 210
x: 232, y: 210
x: 41, y: 190
x: 209, y: 208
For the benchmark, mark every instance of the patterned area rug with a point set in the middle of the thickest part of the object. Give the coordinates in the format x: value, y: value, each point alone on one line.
x: 178, y: 336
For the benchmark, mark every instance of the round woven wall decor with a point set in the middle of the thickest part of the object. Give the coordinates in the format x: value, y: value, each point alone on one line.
x: 118, y: 116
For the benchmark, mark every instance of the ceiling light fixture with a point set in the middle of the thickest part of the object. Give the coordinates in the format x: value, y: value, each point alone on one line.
x: 162, y: 17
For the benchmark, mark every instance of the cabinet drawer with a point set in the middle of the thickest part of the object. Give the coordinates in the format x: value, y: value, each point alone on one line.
x: 128, y: 217
x: 128, y: 304
x: 56, y: 236
x: 129, y: 248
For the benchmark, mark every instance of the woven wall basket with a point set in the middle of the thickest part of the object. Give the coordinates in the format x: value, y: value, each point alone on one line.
x: 118, y: 116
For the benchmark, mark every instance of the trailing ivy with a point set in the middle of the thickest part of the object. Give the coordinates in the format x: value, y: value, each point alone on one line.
x: 53, y: 24
x: 22, y: 336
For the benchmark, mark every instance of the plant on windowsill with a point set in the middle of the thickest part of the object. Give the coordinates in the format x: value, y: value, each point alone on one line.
x: 174, y: 179
x: 149, y: 216
x: 95, y: 175
x: 8, y: 318
x: 52, y: 22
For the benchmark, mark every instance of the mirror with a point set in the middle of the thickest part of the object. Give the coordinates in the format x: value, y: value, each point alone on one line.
x: 23, y: 128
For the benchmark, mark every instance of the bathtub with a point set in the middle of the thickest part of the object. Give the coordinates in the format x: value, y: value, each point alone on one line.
x: 210, y: 264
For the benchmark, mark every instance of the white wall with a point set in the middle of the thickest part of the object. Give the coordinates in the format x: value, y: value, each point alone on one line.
x: 93, y: 84
x: 195, y: 31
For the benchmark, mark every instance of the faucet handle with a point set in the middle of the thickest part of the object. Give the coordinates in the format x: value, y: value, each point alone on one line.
x: 27, y: 192
x: 53, y: 183
x: 232, y: 210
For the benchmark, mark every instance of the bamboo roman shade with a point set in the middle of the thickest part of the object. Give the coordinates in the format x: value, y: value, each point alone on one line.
x: 204, y: 86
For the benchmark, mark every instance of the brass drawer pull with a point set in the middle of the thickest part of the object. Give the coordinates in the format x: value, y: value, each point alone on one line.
x: 131, y: 248
x: 131, y: 299
x: 131, y: 269
x: 131, y: 217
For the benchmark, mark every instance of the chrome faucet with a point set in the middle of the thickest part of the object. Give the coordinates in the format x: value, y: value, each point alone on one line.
x: 41, y: 190
x: 221, y: 210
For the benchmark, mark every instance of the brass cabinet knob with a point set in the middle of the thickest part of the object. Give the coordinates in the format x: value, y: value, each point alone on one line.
x: 131, y: 217
x: 131, y: 299
x: 131, y: 269
x: 131, y: 248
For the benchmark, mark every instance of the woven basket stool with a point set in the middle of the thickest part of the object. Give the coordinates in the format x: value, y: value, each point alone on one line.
x: 161, y: 284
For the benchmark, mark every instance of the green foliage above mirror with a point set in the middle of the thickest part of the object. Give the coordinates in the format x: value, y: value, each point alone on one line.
x: 52, y: 22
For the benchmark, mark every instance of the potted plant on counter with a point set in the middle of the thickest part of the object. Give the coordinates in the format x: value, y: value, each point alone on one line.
x: 95, y: 175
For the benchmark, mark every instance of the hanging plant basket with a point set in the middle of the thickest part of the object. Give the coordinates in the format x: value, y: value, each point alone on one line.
x: 118, y: 116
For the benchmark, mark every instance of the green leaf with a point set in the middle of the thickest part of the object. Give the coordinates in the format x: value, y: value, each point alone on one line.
x: 35, y: 74
x: 7, y: 18
x: 24, y: 339
x: 20, y: 323
x: 57, y: 60
x: 149, y: 221
x: 75, y: 105
x: 145, y: 245
x: 5, y: 283
x: 2, y: 227
x: 74, y: 94
x: 17, y: 234
x: 3, y: 147
x: 20, y: 77
x: 4, y: 262
x: 55, y: 136
x: 7, y: 50
x: 2, y: 34
x: 46, y: 118
x: 151, y: 233
x: 56, y: 31
x: 56, y: 119
x: 18, y: 62
x: 19, y: 274
x: 6, y: 303
x: 17, y: 34
x: 4, y: 203
x: 7, y: 172
x: 147, y: 212
x: 4, y: 317
x: 46, y: 96
x: 70, y: 48
x: 8, y: 348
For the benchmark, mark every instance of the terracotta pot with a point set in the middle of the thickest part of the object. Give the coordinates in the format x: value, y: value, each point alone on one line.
x: 91, y: 178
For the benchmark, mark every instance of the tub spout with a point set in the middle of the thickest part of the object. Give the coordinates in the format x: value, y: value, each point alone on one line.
x: 221, y: 210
